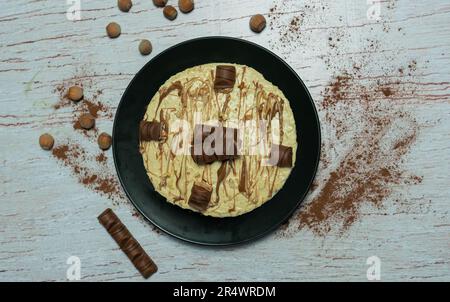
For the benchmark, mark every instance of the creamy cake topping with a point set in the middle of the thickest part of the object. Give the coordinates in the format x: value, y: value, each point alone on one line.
x: 246, y: 145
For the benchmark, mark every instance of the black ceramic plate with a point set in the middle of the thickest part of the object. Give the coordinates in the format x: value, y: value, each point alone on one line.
x: 185, y: 224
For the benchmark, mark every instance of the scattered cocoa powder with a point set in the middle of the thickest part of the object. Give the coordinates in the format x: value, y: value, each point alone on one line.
x: 365, y: 174
x: 89, y: 179
x: 60, y: 152
x: 101, y: 158
x: 84, y: 165
x: 93, y: 107
x: 90, y: 104
x: 92, y: 170
x: 404, y: 142
x: 372, y: 167
x: 288, y: 18
x: 360, y: 166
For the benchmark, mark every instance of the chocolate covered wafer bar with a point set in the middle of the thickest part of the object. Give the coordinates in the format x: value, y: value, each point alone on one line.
x: 200, y: 196
x: 229, y: 143
x: 205, y: 153
x: 151, y: 131
x: 127, y: 243
x: 281, y: 156
x: 206, y: 156
x: 225, y: 77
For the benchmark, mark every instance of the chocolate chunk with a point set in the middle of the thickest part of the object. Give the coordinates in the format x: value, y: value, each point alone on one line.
x: 127, y: 243
x: 281, y: 156
x: 229, y: 144
x: 150, y: 131
x: 203, y: 158
x: 200, y: 196
x: 225, y: 77
x: 200, y: 154
x: 206, y: 153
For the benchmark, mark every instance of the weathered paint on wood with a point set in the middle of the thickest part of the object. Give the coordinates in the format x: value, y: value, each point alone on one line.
x: 46, y: 216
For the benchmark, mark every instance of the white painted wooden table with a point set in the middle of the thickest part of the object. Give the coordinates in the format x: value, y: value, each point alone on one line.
x: 47, y: 216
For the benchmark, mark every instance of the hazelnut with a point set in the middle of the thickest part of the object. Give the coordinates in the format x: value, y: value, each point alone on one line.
x: 113, y: 30
x: 170, y: 12
x: 46, y: 141
x: 87, y: 121
x: 145, y: 47
x: 124, y: 5
x: 257, y: 23
x: 186, y: 6
x: 75, y: 93
x: 160, y: 3
x: 104, y: 141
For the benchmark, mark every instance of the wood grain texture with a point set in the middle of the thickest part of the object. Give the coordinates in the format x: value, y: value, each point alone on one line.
x: 47, y: 216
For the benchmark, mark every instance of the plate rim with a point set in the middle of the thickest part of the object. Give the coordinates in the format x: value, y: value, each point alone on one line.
x: 300, y: 200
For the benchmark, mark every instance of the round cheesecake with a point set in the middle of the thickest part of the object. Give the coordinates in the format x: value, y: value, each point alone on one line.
x: 218, y: 139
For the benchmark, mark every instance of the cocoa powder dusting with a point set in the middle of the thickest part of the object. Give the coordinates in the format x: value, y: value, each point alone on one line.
x: 361, y: 166
x: 92, y: 169
x: 368, y: 172
x: 101, y: 158
x: 89, y: 104
x: 289, y: 19
x: 60, y: 152
x: 86, y: 168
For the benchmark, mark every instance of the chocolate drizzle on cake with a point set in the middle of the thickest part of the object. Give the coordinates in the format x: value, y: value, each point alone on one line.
x: 221, y: 175
x: 165, y: 92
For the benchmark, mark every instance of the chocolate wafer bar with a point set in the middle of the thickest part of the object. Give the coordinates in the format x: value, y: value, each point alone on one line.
x: 225, y: 77
x: 207, y: 153
x: 281, y: 156
x: 127, y: 243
